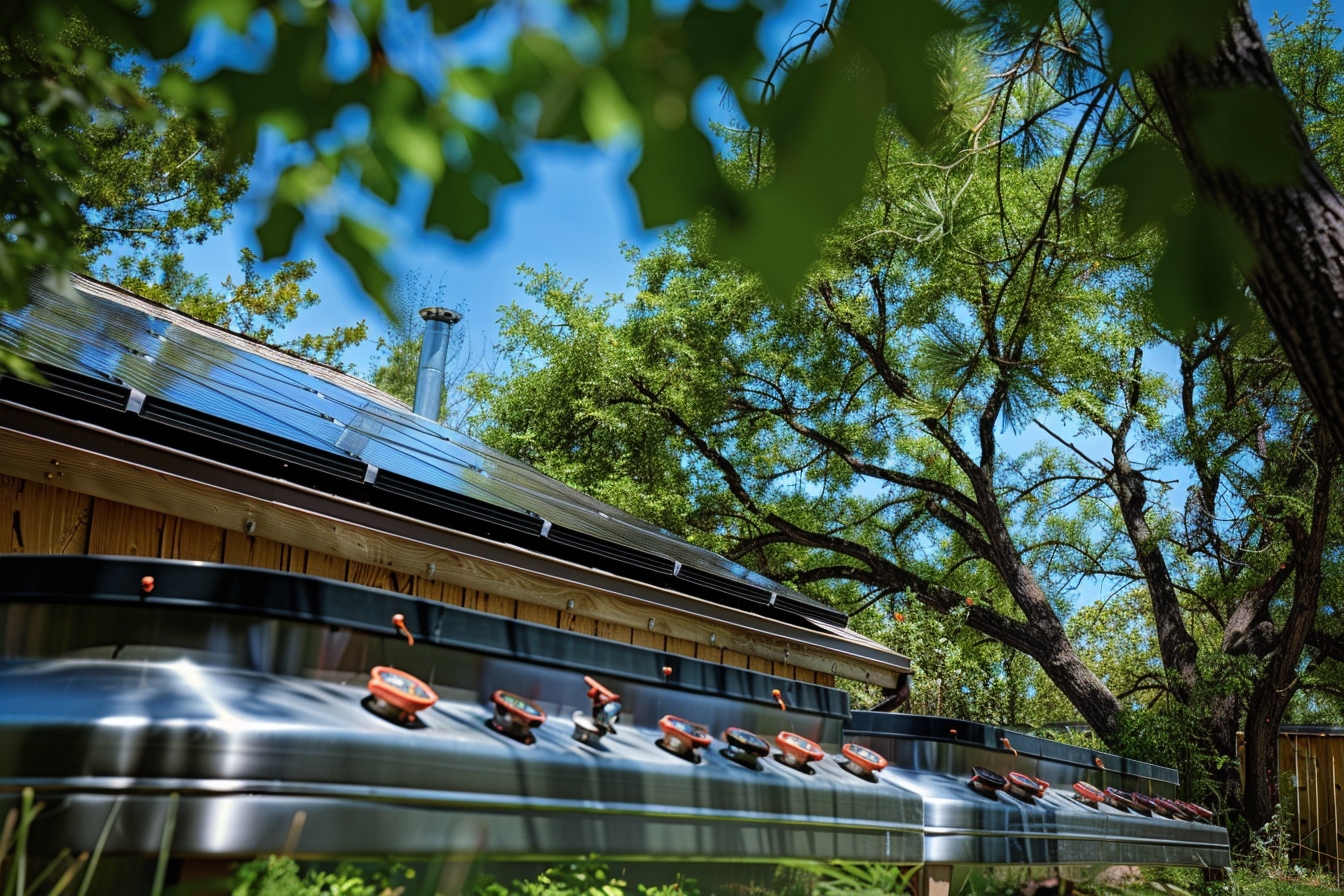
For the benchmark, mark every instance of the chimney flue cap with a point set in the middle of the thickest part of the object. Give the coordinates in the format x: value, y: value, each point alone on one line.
x: 446, y: 315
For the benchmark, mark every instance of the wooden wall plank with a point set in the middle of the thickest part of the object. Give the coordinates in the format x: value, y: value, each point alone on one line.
x: 801, y: 674
x: 733, y: 658
x: 530, y: 612
x: 573, y: 622
x: 708, y: 653
x: 500, y: 606
x: 261, y: 553
x: 318, y: 563
x: 443, y: 592
x: 43, y: 519
x: 370, y: 576
x: 642, y: 637
x: 759, y: 664
x: 826, y: 679
x: 680, y: 646
x: 123, y: 530
x: 614, y: 631
x: 190, y: 540
x: 473, y: 599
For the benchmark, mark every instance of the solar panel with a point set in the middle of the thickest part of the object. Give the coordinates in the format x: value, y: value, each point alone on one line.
x: 211, y: 388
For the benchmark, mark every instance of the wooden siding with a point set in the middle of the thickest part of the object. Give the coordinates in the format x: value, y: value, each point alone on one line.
x: 48, y: 519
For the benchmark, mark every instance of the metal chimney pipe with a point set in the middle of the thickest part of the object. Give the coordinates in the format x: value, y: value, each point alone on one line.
x: 433, y: 359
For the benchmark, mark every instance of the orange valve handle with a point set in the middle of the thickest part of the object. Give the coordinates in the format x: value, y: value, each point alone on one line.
x: 399, y: 623
x: 1026, y: 782
x: 868, y: 760
x: 598, y: 693
x: 676, y: 728
x: 1088, y: 793
x: 798, y: 748
x: 779, y: 699
x: 518, y: 709
x: 401, y: 690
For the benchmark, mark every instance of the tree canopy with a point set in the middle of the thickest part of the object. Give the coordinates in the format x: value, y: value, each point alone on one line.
x: 971, y: 412
x: 1208, y: 149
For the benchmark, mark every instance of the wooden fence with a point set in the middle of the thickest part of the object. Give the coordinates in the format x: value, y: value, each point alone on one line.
x: 1311, y: 767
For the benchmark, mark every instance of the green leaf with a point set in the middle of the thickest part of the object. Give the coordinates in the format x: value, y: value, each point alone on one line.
x: 450, y: 14
x: 277, y: 232
x: 359, y: 244
x: 1248, y: 130
x: 722, y: 42
x: 1145, y: 31
x: 415, y: 144
x: 822, y: 125
x: 1154, y: 180
x: 606, y: 113
x: 676, y: 176
x: 233, y: 13
x: 455, y: 205
x: 1195, y: 279
x: 898, y: 36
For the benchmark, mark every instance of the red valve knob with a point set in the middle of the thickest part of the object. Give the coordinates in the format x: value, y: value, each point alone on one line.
x: 515, y: 716
x: 401, y: 690
x: 1121, y: 799
x: 1087, y: 793
x: 863, y: 760
x: 797, y: 751
x: 598, y: 693
x: 682, y: 737
x: 399, y: 622
x: 528, y: 713
x: 147, y: 584
x: 1026, y: 784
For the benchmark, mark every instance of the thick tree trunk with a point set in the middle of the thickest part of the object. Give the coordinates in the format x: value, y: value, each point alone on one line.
x: 1275, y: 689
x: 1297, y: 231
x: 1224, y: 717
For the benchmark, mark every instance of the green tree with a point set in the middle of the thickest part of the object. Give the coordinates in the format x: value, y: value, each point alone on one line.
x: 96, y: 157
x: 254, y: 306
x: 872, y: 434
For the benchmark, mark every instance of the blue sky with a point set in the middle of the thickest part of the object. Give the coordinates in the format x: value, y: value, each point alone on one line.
x: 573, y: 210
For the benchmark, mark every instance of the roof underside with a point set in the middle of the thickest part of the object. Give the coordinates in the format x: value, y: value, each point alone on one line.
x: 148, y: 371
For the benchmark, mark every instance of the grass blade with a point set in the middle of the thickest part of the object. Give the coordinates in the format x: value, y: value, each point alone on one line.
x: 98, y: 847
x: 48, y: 871
x: 69, y: 875
x: 165, y: 845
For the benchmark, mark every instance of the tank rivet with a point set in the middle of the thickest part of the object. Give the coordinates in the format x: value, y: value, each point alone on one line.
x: 249, y: 526
x: 651, y: 623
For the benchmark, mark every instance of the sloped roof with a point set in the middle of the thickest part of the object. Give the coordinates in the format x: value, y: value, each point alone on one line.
x: 232, y: 398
